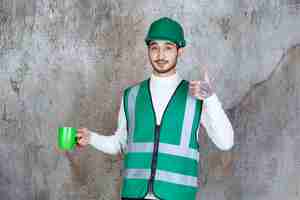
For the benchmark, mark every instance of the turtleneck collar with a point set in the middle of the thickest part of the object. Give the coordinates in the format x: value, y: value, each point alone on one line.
x: 172, y: 79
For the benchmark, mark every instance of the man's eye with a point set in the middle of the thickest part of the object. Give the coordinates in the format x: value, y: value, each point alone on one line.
x: 169, y: 48
x: 153, y: 48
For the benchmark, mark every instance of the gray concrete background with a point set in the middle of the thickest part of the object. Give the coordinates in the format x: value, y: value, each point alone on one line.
x: 67, y: 62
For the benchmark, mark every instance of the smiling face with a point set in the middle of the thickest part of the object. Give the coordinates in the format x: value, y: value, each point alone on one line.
x: 163, y: 57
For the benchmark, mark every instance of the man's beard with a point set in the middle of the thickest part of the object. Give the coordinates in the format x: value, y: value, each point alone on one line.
x: 163, y: 71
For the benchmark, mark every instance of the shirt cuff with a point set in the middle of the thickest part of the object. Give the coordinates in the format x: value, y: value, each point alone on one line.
x: 93, y: 136
x: 212, y: 101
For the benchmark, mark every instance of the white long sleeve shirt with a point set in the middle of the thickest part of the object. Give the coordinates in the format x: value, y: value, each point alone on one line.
x: 213, y: 118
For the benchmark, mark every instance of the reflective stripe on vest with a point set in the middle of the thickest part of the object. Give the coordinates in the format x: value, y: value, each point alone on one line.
x: 162, y: 175
x: 165, y: 148
x: 131, y: 108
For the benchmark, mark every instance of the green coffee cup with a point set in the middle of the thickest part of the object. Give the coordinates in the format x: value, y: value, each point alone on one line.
x: 67, y: 138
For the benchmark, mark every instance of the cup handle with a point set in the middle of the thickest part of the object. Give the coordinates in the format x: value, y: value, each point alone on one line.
x: 76, y: 140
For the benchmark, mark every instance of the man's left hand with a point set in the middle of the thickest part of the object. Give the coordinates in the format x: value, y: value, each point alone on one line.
x: 201, y: 89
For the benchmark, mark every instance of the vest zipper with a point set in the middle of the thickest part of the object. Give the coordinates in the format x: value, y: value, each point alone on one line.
x: 156, y: 137
x: 154, y: 159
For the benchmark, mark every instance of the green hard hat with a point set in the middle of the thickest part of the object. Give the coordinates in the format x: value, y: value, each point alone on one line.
x: 166, y: 29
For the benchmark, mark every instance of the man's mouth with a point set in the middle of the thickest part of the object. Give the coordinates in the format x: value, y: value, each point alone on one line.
x: 161, y: 62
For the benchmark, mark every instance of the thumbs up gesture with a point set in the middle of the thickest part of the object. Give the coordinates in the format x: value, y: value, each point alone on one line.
x: 201, y: 89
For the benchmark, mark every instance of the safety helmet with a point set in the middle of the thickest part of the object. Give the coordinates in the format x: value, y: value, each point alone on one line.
x: 166, y: 29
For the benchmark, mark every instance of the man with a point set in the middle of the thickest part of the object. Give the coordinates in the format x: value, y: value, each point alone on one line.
x: 159, y: 121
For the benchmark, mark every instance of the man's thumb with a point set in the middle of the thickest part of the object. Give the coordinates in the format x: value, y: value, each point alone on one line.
x: 206, y: 77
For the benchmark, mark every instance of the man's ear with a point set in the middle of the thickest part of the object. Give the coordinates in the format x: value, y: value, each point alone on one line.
x: 180, y: 51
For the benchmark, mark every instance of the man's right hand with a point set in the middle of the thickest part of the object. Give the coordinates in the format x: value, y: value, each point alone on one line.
x: 83, y: 136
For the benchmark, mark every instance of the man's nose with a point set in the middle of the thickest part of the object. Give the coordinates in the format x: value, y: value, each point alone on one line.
x: 161, y: 54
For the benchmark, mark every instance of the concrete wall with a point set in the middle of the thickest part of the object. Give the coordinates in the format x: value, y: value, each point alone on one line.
x: 67, y: 62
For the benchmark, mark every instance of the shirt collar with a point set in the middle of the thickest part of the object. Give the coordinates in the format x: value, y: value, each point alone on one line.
x: 168, y: 80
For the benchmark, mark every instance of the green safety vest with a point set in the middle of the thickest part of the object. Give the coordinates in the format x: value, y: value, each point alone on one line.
x: 164, y: 158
